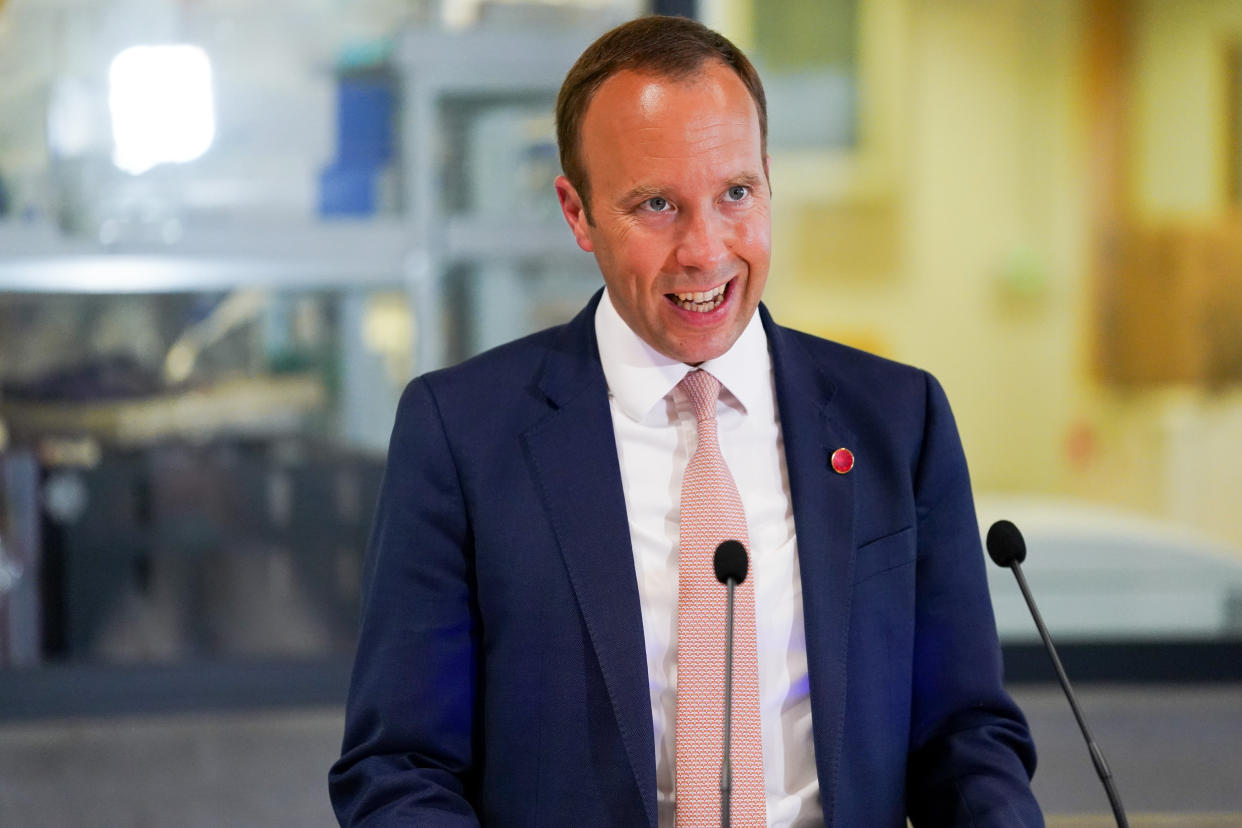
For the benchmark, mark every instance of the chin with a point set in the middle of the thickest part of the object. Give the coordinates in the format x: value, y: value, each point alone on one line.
x: 699, y: 354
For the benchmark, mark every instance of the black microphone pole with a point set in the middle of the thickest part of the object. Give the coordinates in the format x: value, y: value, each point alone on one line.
x: 1007, y: 548
x: 730, y: 563
x: 726, y: 758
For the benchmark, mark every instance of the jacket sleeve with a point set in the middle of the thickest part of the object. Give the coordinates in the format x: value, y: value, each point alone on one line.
x: 971, y: 756
x: 410, y: 730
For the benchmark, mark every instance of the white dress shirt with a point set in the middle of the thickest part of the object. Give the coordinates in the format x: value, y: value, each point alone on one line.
x: 656, y: 435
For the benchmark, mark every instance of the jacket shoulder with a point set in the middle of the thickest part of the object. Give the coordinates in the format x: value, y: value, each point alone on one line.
x: 498, y: 367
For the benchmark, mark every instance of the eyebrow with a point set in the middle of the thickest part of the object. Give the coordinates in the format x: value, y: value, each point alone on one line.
x: 747, y: 180
x: 640, y: 193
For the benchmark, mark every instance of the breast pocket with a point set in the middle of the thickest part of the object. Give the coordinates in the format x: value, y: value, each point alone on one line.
x: 884, y: 554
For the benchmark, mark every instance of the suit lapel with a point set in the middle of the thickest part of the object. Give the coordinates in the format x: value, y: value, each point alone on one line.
x: 573, y: 457
x: 823, y: 505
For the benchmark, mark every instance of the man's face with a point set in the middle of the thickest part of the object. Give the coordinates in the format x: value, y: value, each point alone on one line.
x: 680, y: 207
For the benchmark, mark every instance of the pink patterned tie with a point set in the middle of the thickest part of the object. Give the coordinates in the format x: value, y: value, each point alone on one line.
x: 711, y: 512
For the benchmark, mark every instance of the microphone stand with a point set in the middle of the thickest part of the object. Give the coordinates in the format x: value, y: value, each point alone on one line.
x: 1097, y: 756
x: 730, y: 563
x: 726, y: 760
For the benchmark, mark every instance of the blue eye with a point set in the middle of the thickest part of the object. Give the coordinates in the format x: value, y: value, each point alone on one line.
x: 658, y: 204
x: 738, y: 192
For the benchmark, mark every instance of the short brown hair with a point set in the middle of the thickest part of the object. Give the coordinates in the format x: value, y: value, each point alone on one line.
x: 667, y: 47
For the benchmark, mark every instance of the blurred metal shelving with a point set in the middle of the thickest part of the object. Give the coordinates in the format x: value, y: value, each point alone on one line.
x: 374, y: 253
x: 473, y: 240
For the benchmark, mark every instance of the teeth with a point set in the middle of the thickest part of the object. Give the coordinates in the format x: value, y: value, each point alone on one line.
x: 701, y: 301
x: 702, y: 296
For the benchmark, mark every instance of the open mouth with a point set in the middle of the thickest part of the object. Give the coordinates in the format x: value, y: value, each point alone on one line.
x: 701, y: 302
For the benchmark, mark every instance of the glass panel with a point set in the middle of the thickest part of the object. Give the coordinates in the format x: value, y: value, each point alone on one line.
x: 200, y: 357
x: 202, y: 468
x: 807, y: 54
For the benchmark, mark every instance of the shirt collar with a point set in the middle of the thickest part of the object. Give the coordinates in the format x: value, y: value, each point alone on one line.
x: 639, y: 376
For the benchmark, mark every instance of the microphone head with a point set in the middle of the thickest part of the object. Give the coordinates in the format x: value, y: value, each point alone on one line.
x: 1005, y: 544
x: 731, y: 562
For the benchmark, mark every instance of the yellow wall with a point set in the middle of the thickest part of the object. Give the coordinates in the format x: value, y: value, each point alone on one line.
x: 986, y: 188
x: 957, y: 239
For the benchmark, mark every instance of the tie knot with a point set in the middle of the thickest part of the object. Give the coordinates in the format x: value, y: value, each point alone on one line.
x: 703, y: 389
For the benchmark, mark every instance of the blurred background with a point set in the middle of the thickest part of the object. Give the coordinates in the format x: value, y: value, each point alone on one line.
x: 231, y: 232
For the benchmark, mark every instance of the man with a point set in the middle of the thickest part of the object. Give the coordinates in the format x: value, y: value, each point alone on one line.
x: 529, y: 636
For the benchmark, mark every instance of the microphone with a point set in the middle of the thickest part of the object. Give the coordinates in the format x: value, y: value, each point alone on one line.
x: 730, y: 563
x: 1007, y: 548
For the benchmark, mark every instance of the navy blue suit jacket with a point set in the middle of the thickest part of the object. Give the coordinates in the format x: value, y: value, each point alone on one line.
x: 501, y: 676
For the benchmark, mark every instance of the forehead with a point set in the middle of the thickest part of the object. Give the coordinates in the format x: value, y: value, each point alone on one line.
x: 638, y: 116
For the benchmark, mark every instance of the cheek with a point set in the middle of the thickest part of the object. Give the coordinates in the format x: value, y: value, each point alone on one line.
x: 627, y: 272
x: 754, y: 239
x: 645, y: 257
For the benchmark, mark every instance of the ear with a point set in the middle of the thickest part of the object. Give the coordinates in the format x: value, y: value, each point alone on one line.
x: 574, y: 212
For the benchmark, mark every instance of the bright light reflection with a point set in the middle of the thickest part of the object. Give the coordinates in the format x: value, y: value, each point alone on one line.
x: 163, y: 110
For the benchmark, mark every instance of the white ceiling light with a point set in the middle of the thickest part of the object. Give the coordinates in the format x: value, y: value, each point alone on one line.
x: 163, y: 109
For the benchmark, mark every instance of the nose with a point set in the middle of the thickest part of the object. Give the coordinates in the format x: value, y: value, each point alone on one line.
x: 703, y: 244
